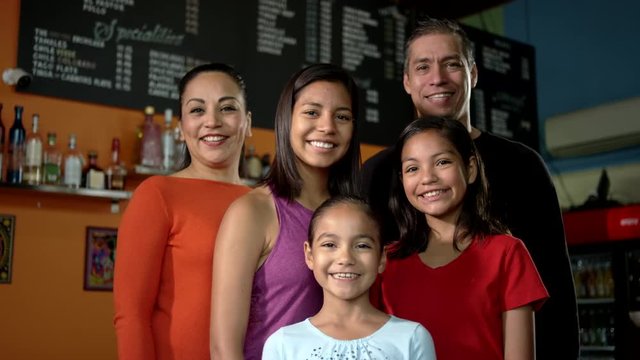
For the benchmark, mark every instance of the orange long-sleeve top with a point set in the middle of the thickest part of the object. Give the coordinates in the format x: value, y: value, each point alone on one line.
x: 162, y: 285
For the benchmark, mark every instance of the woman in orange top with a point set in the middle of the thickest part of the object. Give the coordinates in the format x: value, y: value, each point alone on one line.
x: 162, y: 286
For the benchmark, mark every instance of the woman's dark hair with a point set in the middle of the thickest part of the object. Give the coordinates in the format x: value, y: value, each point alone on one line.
x: 332, y: 202
x: 190, y: 75
x: 283, y: 177
x: 474, y: 220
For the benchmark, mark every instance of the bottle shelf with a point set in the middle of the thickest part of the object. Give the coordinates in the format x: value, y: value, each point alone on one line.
x: 145, y: 170
x: 595, y: 301
x: 148, y: 171
x: 115, y: 196
x: 57, y: 189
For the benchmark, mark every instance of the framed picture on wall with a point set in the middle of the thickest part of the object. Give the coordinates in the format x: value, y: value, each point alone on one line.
x: 100, y: 257
x: 7, y: 230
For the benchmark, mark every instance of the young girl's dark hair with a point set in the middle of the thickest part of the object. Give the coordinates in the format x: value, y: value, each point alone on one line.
x: 474, y: 220
x: 283, y: 177
x: 340, y: 200
x: 204, y: 68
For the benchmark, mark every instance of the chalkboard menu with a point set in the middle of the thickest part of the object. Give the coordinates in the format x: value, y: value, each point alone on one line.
x: 504, y: 100
x: 132, y: 53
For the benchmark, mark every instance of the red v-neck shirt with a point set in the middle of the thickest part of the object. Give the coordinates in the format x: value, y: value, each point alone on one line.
x: 461, y: 303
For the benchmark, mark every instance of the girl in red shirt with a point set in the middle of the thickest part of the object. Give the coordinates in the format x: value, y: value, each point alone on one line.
x: 454, y: 269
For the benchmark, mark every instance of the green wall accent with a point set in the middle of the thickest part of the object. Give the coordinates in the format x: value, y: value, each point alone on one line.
x: 491, y: 20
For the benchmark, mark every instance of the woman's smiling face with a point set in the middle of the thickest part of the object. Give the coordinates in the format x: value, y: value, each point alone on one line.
x: 321, y: 124
x: 215, y: 121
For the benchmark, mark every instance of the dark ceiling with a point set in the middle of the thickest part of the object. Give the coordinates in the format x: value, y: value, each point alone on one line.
x: 451, y: 9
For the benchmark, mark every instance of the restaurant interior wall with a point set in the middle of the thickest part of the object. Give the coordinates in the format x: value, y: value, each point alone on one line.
x: 45, y: 312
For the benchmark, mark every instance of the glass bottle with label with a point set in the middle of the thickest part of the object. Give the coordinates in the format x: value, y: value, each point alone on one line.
x: 1, y: 145
x: 73, y: 162
x: 253, y: 164
x: 266, y: 164
x: 180, y: 148
x: 168, y: 144
x: 92, y: 175
x: 151, y: 152
x: 116, y: 172
x: 51, y: 161
x: 33, y: 154
x: 15, y: 155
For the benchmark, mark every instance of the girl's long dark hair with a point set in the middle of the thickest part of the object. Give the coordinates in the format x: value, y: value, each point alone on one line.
x: 283, y: 177
x: 474, y: 221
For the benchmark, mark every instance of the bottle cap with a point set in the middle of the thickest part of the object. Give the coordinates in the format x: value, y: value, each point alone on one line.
x: 149, y: 110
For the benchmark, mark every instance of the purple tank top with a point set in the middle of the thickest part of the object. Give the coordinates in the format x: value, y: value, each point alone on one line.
x: 284, y: 290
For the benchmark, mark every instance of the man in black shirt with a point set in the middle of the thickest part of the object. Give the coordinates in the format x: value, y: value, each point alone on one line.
x: 440, y: 72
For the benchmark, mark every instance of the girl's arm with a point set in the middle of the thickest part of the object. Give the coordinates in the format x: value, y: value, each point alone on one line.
x: 518, y: 329
x: 238, y: 250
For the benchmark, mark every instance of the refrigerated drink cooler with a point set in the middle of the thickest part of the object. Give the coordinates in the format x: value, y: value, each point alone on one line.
x: 604, y: 248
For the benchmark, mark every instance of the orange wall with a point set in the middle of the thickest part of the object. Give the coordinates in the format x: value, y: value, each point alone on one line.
x: 44, y: 312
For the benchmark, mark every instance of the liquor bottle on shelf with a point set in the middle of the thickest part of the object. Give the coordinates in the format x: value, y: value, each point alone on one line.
x: 151, y: 149
x: 1, y: 145
x: 33, y: 154
x: 266, y: 164
x: 116, y: 173
x: 51, y: 162
x: 73, y: 163
x: 92, y: 174
x: 179, y: 148
x: 15, y: 155
x: 168, y: 144
x: 253, y: 164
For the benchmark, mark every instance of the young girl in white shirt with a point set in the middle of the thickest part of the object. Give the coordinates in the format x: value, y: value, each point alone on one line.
x: 345, y: 252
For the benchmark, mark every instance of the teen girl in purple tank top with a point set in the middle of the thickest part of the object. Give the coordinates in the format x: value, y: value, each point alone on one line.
x: 260, y: 280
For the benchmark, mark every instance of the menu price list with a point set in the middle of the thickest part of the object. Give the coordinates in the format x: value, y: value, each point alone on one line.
x: 118, y: 52
x: 363, y: 39
x: 504, y: 100
x: 132, y: 53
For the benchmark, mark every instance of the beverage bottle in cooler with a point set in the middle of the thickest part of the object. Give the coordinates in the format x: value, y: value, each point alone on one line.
x: 1, y: 145
x: 168, y: 143
x: 116, y: 172
x: 591, y: 279
x: 151, y: 149
x: 33, y: 154
x: 600, y: 282
x: 92, y: 174
x: 585, y: 325
x: 73, y: 163
x: 592, y: 329
x: 609, y: 288
x: 51, y: 161
x: 15, y: 155
x: 580, y: 279
x: 611, y: 328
